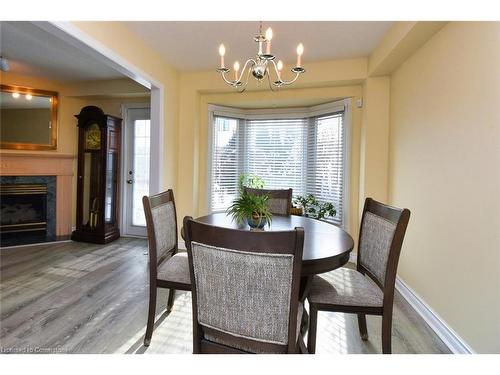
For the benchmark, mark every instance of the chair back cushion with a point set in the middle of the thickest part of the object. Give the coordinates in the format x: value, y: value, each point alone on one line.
x: 161, y: 222
x: 280, y: 201
x: 164, y: 227
x: 376, y: 240
x: 242, y: 293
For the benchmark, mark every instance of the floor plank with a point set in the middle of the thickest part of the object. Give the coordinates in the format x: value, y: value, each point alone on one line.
x: 73, y: 297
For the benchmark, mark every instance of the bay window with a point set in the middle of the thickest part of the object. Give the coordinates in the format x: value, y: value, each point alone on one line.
x: 302, y: 149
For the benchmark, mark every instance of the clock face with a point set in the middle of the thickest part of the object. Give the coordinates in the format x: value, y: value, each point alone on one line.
x: 93, y: 137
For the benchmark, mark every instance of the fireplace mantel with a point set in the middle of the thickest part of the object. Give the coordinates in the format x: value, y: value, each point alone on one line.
x: 46, y: 164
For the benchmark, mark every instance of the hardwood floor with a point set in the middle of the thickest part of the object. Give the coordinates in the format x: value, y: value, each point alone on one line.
x: 73, y: 297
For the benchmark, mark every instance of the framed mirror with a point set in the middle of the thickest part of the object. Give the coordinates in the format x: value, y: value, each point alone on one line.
x: 28, y: 118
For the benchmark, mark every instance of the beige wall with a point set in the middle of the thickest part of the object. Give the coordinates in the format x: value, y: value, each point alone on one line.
x: 118, y: 38
x: 373, y: 167
x: 445, y: 167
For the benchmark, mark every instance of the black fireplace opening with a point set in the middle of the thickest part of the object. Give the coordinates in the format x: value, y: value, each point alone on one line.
x: 25, y: 213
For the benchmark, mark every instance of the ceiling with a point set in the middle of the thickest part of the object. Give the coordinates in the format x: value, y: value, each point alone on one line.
x: 35, y: 52
x: 190, y: 46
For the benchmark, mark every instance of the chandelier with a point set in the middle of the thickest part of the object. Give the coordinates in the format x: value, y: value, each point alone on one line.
x: 259, y: 67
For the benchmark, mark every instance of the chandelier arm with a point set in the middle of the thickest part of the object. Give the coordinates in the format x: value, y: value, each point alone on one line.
x: 223, y: 74
x: 297, y: 74
x: 243, y: 85
x: 269, y: 80
x: 249, y: 61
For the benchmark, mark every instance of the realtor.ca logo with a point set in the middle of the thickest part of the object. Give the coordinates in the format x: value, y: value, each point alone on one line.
x: 31, y: 350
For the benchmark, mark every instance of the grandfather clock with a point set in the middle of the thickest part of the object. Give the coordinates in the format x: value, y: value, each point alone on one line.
x: 97, y: 202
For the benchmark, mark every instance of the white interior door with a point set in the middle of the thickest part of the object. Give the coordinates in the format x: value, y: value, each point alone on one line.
x: 136, y: 169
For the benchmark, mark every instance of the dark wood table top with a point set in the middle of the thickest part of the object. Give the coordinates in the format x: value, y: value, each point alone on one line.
x: 326, y: 246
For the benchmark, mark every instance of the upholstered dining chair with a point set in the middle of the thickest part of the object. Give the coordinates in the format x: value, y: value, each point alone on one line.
x: 167, y: 267
x: 350, y: 291
x: 245, y: 294
x: 280, y: 201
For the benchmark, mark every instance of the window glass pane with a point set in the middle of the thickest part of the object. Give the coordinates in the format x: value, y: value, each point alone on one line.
x: 275, y: 152
x: 141, y: 170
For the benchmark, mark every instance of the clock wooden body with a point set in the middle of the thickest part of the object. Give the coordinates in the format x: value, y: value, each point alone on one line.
x: 97, y: 203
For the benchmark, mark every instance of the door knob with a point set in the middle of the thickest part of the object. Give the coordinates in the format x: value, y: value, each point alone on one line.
x: 130, y: 181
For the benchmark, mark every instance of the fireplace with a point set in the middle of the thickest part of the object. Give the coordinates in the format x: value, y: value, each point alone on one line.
x: 27, y: 209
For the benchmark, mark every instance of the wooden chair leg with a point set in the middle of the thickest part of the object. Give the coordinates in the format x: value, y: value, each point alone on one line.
x: 170, y: 301
x: 313, y: 326
x: 386, y: 334
x: 151, y: 315
x: 363, y: 331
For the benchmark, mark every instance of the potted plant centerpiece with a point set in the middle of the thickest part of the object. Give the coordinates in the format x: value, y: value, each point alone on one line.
x: 252, y: 209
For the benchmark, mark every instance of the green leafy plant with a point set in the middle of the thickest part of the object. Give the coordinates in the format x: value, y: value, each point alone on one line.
x: 314, y: 208
x: 250, y: 180
x: 250, y: 206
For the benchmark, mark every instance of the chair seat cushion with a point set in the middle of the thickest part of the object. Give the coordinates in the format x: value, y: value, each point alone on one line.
x: 175, y: 269
x: 345, y: 287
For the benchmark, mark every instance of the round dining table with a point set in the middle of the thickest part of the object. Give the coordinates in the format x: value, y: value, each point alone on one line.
x: 326, y: 246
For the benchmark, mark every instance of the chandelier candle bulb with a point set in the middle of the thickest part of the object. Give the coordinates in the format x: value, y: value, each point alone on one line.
x: 29, y: 97
x: 280, y: 68
x: 300, y: 51
x: 222, y: 52
x: 269, y: 36
x: 236, y: 68
x: 15, y: 95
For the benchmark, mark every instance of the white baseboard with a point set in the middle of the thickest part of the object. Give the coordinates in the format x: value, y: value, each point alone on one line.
x: 449, y: 337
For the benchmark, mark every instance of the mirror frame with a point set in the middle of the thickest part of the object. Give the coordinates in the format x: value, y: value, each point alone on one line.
x: 53, y: 118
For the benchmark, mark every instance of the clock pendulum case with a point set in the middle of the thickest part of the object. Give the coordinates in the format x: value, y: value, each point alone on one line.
x: 97, y: 203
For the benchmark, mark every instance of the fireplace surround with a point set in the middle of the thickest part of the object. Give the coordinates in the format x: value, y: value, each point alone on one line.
x: 53, y: 169
x: 28, y: 209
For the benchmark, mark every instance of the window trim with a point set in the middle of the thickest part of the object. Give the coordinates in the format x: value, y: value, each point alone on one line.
x: 281, y: 113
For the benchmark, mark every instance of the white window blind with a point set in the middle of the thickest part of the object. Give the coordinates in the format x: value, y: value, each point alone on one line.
x: 325, y: 161
x: 305, y: 153
x: 225, y: 169
x: 274, y: 151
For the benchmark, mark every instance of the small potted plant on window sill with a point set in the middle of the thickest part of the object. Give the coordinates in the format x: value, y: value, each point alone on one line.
x: 252, y: 209
x: 311, y: 207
